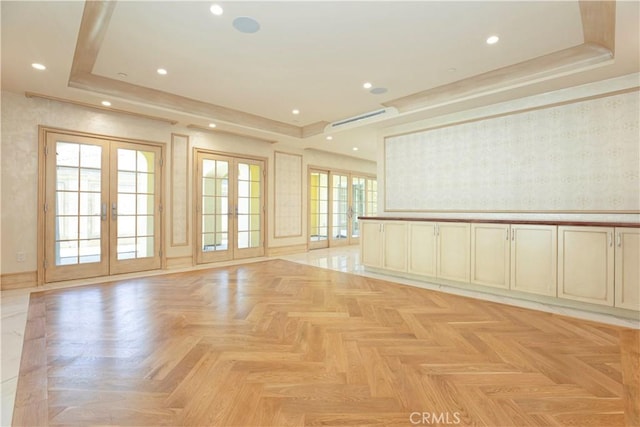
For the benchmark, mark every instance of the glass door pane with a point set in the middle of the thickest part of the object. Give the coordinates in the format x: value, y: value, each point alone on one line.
x: 372, y: 197
x: 214, y: 192
x: 75, y: 222
x: 249, y: 209
x: 318, y: 209
x: 215, y: 205
x: 339, y: 208
x: 134, y: 209
x: 357, y: 206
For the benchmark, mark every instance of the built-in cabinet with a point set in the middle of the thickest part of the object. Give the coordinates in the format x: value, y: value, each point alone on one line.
x: 534, y: 259
x: 439, y: 250
x: 384, y: 245
x: 585, y: 264
x: 519, y: 257
x: 627, y: 268
x: 491, y: 255
x: 589, y: 264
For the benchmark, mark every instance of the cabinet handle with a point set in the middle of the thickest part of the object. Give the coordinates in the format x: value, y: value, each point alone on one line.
x: 619, y: 238
x: 610, y: 239
x: 507, y: 234
x: 513, y: 234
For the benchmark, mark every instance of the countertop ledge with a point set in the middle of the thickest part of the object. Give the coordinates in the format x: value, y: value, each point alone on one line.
x: 506, y: 221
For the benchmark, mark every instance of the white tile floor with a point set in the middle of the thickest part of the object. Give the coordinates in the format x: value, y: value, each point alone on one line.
x: 14, y: 305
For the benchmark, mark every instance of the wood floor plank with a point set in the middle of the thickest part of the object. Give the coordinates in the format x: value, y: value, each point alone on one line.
x: 276, y: 343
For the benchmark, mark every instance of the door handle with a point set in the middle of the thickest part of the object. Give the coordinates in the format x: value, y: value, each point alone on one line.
x: 114, y: 211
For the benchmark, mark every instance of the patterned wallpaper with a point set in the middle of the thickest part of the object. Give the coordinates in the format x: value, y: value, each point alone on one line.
x: 583, y: 156
x: 288, y: 199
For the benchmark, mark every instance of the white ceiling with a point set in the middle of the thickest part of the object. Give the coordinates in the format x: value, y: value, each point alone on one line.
x: 309, y: 55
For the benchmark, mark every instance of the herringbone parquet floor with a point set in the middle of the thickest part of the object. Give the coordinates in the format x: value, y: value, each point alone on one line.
x: 277, y: 344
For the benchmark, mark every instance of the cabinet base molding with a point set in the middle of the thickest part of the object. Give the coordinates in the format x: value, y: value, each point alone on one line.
x: 511, y: 297
x: 22, y: 280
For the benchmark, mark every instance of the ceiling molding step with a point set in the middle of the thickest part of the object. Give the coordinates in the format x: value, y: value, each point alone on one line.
x: 99, y: 107
x: 171, y: 102
x: 229, y: 132
x: 313, y: 129
x: 563, y: 62
x: 599, y: 22
x: 93, y: 28
x: 482, y: 117
x: 334, y: 154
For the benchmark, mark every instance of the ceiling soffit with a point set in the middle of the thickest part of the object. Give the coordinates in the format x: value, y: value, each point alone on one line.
x: 598, y: 21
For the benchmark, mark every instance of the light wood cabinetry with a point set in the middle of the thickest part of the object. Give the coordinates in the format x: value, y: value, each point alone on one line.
x: 453, y: 261
x: 423, y: 247
x: 627, y: 268
x: 490, y: 255
x: 439, y: 249
x: 394, y: 235
x: 534, y: 259
x: 586, y: 264
x: 580, y: 264
x: 384, y: 245
x: 371, y: 244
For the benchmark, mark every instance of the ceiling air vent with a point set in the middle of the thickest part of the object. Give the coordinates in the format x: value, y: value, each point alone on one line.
x: 366, y: 117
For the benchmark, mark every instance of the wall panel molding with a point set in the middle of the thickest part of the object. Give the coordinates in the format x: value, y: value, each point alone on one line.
x: 288, y: 196
x: 576, y: 157
x: 179, y: 190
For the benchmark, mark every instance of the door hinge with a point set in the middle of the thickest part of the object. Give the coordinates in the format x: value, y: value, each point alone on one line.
x: 45, y: 263
x: 160, y: 208
x: 160, y: 253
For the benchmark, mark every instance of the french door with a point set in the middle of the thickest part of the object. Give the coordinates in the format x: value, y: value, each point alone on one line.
x: 102, y: 207
x: 336, y: 200
x: 230, y: 207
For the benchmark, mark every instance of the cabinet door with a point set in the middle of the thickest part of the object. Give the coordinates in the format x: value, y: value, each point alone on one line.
x: 394, y: 246
x: 454, y: 251
x: 490, y: 254
x: 422, y: 249
x: 371, y: 244
x: 585, y: 264
x: 627, y: 269
x: 533, y: 259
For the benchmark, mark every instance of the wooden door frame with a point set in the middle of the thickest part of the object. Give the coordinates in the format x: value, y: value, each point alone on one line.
x: 43, y: 132
x: 330, y: 172
x: 196, y: 151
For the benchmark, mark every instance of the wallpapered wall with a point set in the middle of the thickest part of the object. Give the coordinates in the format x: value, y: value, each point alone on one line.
x: 21, y: 117
x: 577, y: 157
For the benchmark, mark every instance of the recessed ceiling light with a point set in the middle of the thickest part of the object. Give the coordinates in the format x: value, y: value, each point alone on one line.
x: 295, y: 111
x: 329, y: 138
x: 216, y: 9
x: 212, y: 125
x: 355, y: 148
x: 492, y: 39
x: 367, y: 85
x: 162, y: 71
x: 38, y: 66
x: 106, y: 103
x: 244, y: 24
